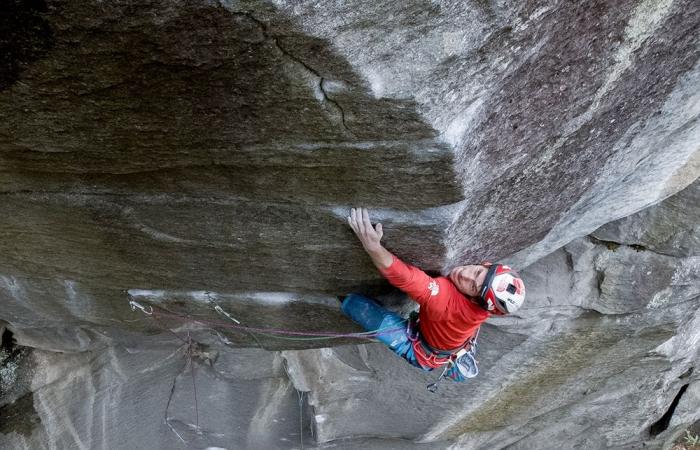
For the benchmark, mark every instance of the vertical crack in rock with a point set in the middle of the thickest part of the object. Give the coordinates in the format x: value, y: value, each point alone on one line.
x: 300, y: 394
x: 265, y: 32
x: 662, y: 424
x: 193, y: 350
x: 571, y: 266
x: 296, y: 375
x: 569, y: 260
x: 317, y: 75
x: 600, y: 279
x: 170, y: 399
x: 334, y: 102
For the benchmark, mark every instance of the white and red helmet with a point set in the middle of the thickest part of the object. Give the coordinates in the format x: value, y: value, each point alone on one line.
x: 503, y: 291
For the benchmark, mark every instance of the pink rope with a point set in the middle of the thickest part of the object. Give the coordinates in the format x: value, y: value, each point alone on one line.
x: 216, y: 323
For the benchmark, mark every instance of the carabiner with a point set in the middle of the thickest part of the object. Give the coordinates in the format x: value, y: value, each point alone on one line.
x: 134, y: 304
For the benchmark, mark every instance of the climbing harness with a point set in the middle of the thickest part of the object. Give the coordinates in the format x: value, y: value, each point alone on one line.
x: 462, y: 358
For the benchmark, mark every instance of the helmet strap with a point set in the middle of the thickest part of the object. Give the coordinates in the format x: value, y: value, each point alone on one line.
x: 485, y: 287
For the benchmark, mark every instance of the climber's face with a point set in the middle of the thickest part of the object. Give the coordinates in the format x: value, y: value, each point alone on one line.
x: 469, y: 279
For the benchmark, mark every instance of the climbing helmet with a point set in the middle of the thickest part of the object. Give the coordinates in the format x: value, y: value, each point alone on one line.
x: 503, y: 292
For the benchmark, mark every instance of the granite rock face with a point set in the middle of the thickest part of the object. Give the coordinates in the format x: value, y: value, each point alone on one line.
x: 566, y: 104
x: 608, y: 342
x: 158, y: 392
x: 669, y: 228
x: 200, y: 157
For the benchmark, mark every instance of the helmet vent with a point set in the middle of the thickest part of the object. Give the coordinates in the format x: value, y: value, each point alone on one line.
x: 511, y: 289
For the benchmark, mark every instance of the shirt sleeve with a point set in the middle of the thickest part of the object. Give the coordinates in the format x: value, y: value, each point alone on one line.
x: 417, y: 284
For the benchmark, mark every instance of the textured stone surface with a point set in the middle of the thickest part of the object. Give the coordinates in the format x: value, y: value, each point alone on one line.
x: 670, y: 228
x: 552, y: 108
x: 596, y: 374
x: 555, y: 373
x: 195, y: 154
x: 145, y: 394
x: 685, y: 412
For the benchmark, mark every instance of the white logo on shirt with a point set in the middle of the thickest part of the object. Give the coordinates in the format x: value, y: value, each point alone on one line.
x: 434, y: 288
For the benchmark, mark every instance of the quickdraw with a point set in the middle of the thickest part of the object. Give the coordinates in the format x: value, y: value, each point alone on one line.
x: 136, y: 305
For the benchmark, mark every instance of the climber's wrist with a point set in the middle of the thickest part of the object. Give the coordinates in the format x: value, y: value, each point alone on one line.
x: 381, y: 257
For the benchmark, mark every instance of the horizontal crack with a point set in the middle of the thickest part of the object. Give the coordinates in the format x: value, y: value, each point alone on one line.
x: 612, y: 246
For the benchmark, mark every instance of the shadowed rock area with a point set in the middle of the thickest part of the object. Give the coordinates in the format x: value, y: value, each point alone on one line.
x: 199, y: 159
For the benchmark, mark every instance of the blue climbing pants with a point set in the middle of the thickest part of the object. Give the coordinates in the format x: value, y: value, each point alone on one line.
x: 371, y: 316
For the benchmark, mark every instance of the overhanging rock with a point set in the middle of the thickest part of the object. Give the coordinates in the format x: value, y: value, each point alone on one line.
x: 193, y: 154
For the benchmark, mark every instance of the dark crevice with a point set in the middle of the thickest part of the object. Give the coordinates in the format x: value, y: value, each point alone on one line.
x: 7, y: 342
x: 612, y: 246
x: 687, y: 373
x: 600, y: 279
x: 569, y: 260
x: 25, y: 37
x: 571, y: 266
x: 167, y: 417
x: 20, y: 416
x: 662, y: 424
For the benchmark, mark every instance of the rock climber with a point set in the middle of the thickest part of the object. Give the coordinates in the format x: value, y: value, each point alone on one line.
x: 451, y: 308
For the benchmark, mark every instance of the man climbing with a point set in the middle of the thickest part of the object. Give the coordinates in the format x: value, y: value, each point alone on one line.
x: 451, y: 309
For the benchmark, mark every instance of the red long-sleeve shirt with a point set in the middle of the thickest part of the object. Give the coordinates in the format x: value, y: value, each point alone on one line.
x: 447, y: 317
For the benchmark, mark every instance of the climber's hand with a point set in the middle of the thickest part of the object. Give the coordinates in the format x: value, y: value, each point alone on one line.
x: 369, y: 236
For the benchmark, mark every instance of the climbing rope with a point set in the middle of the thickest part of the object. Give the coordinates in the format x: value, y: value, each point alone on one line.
x: 155, y: 313
x: 278, y: 333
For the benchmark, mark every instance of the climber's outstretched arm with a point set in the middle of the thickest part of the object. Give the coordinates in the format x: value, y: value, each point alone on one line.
x: 413, y: 281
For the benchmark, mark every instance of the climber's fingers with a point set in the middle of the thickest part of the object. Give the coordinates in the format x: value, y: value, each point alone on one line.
x: 362, y: 226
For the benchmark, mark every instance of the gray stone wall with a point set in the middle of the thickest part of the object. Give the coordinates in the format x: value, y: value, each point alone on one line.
x: 194, y: 154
